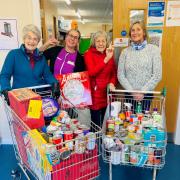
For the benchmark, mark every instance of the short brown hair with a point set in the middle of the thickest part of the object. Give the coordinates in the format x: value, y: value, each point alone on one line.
x: 142, y: 26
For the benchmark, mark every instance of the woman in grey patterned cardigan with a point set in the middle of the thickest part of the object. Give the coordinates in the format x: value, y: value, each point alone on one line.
x: 140, y: 65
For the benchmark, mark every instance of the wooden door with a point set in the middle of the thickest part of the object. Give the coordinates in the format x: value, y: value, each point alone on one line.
x: 170, y: 54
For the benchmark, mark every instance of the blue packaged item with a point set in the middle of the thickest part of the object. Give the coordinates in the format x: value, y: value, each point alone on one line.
x: 142, y: 160
x: 154, y: 138
x: 50, y: 108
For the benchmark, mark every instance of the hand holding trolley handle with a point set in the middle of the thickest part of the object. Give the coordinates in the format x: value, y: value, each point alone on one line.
x: 4, y: 93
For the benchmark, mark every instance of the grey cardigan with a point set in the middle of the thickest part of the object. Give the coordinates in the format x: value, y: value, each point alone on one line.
x: 140, y: 69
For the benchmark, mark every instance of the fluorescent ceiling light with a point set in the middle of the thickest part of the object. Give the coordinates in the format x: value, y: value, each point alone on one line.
x: 82, y: 21
x: 68, y: 2
x: 78, y: 14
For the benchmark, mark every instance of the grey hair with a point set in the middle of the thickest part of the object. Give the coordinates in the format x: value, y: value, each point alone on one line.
x: 31, y: 28
x: 98, y: 34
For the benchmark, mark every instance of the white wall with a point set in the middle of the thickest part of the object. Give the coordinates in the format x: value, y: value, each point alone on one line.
x: 26, y: 12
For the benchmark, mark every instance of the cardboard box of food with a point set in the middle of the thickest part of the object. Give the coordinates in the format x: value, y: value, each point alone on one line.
x: 28, y: 106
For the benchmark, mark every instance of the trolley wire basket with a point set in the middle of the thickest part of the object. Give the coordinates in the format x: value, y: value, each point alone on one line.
x: 69, y: 153
x: 134, y: 132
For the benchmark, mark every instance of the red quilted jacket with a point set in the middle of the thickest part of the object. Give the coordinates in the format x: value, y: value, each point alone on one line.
x: 101, y: 75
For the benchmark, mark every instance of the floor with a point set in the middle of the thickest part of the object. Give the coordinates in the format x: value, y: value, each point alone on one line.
x: 171, y: 170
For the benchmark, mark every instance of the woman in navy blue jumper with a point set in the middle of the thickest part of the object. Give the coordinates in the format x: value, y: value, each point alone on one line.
x: 26, y: 65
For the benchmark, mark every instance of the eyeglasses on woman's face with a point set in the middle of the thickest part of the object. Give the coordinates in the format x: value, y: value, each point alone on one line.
x: 73, y: 36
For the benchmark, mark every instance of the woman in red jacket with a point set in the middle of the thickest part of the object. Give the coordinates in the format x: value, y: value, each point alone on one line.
x: 100, y: 64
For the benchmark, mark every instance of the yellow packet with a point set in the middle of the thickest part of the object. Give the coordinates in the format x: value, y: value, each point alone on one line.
x: 34, y: 110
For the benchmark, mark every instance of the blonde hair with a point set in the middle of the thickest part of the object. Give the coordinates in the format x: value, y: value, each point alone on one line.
x: 98, y: 34
x: 142, y: 26
x: 31, y: 28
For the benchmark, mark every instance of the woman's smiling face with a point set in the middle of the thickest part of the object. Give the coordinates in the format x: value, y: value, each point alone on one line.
x: 31, y: 41
x: 137, y: 33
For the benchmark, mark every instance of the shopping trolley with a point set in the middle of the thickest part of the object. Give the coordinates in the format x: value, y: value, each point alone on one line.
x: 134, y: 132
x: 72, y: 159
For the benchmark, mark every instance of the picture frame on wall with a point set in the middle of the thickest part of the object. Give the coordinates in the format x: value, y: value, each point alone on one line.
x: 8, y: 34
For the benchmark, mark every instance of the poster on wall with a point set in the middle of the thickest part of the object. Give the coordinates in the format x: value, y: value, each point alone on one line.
x: 173, y: 13
x: 121, y: 42
x: 64, y: 24
x: 155, y: 37
x: 8, y: 34
x: 156, y: 12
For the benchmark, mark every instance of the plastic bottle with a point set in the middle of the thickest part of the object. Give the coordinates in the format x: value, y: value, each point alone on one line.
x: 138, y: 108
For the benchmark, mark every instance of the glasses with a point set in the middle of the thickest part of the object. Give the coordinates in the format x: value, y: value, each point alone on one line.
x: 73, y: 37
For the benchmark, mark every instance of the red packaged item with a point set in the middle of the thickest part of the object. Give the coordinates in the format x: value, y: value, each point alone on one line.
x: 19, y: 102
x: 75, y: 88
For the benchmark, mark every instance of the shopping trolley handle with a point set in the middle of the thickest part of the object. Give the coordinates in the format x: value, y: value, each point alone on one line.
x: 135, y: 91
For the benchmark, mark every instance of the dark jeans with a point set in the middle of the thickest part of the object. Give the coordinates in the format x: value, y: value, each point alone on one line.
x: 145, y: 103
x: 97, y: 116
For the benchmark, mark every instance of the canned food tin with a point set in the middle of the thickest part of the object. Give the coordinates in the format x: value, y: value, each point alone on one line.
x: 80, y: 146
x: 74, y: 121
x: 110, y: 125
x: 57, y: 139
x: 50, y: 137
x: 51, y: 129
x: 140, y: 116
x: 91, y: 140
x: 82, y: 126
x: 78, y: 132
x: 68, y: 135
x: 110, y: 134
x: 131, y: 120
x: 68, y: 126
x: 117, y: 126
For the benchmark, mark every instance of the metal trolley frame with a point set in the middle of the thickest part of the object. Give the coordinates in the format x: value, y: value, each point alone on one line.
x: 81, y: 163
x: 146, y: 153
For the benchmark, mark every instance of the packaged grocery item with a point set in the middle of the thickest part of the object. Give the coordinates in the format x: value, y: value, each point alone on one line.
x: 28, y: 106
x: 50, y: 108
x: 75, y: 88
x: 154, y: 138
x: 91, y: 140
x: 37, y: 153
x: 116, y: 155
x: 115, y: 108
x: 128, y: 111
